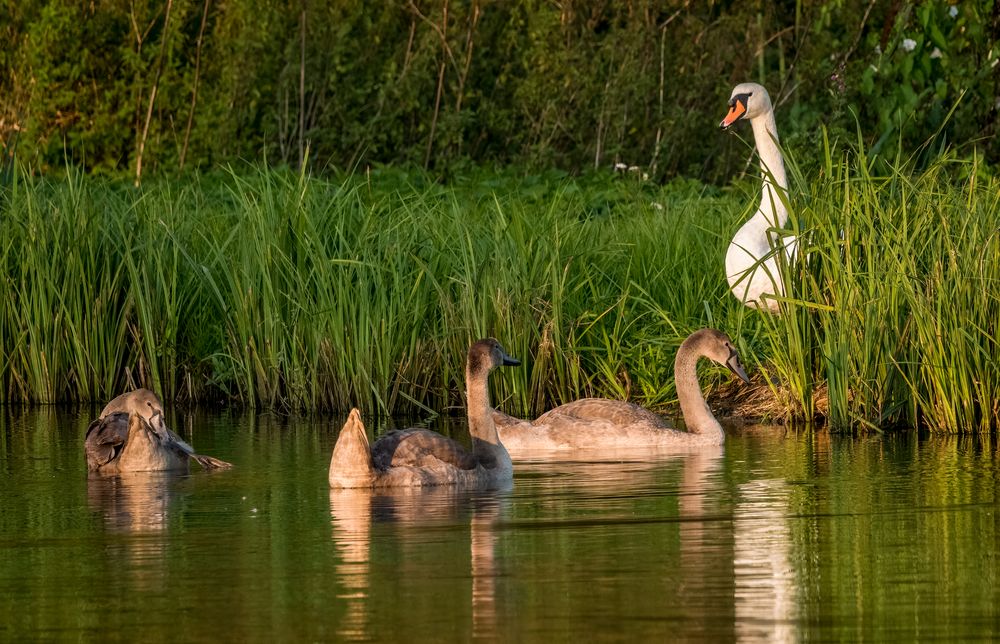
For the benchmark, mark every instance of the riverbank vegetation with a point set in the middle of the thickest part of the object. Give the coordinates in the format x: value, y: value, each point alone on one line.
x: 424, y: 173
x: 278, y: 289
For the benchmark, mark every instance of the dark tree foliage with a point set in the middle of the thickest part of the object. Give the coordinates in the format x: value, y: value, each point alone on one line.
x: 572, y: 83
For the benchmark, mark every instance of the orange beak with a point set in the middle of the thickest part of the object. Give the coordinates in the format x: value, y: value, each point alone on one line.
x: 735, y: 112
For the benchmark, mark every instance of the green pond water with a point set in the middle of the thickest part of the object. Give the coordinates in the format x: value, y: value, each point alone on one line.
x: 780, y: 536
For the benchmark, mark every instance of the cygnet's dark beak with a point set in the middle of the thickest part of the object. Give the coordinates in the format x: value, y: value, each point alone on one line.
x: 506, y: 360
x: 734, y: 365
x: 158, y: 425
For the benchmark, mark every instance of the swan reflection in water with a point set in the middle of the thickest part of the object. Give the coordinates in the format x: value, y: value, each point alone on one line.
x: 695, y: 532
x: 351, y: 518
x: 137, y: 506
x: 737, y: 553
x: 766, y: 593
x: 765, y: 584
x: 731, y: 576
x: 765, y: 570
x: 414, y: 509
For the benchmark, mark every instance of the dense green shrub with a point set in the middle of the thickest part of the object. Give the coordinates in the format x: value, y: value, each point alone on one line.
x: 574, y: 84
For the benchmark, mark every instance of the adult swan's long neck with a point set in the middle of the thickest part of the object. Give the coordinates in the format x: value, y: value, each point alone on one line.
x: 772, y: 212
x: 751, y: 263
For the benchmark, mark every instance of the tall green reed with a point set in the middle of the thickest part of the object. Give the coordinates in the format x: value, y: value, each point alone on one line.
x: 284, y: 290
x: 892, y: 298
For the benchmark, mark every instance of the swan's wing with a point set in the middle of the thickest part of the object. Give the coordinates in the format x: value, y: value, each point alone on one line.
x: 105, y: 439
x: 420, y: 448
x: 502, y: 420
x: 589, y: 410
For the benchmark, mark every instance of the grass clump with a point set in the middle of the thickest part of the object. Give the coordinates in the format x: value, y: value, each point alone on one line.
x: 283, y: 290
x: 892, y: 319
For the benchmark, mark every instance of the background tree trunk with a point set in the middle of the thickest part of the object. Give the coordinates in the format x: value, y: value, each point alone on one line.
x: 152, y: 93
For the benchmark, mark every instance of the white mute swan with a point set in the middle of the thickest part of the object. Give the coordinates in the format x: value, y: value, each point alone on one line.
x: 602, y: 429
x: 751, y: 261
x: 413, y: 457
x: 131, y: 436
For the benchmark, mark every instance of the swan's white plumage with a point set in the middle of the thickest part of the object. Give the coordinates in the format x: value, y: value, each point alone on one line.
x: 752, y: 268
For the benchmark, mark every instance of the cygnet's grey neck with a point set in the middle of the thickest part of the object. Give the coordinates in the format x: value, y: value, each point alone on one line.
x: 697, y: 416
x: 485, y: 440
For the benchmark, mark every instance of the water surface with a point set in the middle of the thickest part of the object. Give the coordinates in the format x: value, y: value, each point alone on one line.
x: 781, y: 536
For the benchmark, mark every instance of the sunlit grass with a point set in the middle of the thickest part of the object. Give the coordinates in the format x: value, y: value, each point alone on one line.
x: 283, y: 290
x: 894, y: 307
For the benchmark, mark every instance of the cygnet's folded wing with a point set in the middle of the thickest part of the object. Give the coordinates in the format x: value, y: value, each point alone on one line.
x: 617, y: 413
x: 105, y: 439
x: 420, y: 448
